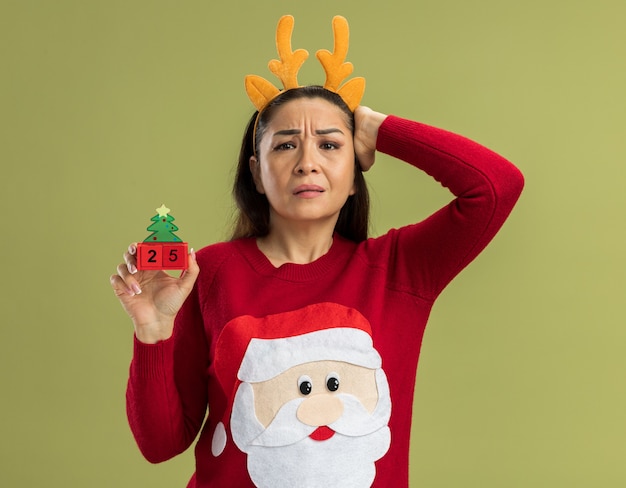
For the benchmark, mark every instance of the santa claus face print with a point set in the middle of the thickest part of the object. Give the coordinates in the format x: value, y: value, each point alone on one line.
x: 305, y: 165
x: 329, y: 431
x: 311, y: 402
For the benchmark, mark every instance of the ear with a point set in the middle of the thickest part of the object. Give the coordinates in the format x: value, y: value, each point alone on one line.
x: 255, y: 169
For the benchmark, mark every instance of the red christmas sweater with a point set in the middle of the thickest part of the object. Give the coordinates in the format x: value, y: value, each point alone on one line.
x: 303, y: 375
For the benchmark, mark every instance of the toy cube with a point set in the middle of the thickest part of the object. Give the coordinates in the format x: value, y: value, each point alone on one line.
x: 175, y: 256
x: 162, y: 255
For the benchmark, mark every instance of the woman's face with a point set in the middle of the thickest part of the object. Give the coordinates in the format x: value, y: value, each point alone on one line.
x: 305, y: 163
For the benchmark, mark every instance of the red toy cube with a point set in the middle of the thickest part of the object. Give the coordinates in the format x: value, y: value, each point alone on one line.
x: 162, y: 255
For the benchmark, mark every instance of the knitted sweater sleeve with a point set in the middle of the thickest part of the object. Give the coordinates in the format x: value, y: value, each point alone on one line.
x: 426, y: 256
x: 166, y: 399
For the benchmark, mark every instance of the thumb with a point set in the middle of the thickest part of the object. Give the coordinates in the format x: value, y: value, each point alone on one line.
x: 189, y: 276
x: 365, y: 155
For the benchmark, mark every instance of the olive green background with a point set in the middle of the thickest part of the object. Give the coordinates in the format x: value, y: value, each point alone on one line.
x: 111, y: 108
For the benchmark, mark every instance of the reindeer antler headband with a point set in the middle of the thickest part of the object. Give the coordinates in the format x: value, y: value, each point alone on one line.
x: 261, y: 92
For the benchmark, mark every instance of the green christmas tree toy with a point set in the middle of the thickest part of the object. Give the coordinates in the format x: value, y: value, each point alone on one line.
x: 162, y: 249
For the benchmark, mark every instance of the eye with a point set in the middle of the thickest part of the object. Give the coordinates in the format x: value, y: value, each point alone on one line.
x: 285, y: 146
x: 332, y: 382
x: 304, y: 384
x: 329, y: 146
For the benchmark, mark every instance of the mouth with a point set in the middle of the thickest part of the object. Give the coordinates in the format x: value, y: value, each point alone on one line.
x: 308, y: 190
x: 322, y: 433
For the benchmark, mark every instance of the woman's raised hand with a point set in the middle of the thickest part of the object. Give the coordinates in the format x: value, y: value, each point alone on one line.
x: 152, y: 298
x: 366, y: 124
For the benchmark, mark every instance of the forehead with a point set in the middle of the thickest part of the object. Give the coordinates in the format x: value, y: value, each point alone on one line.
x: 311, y: 111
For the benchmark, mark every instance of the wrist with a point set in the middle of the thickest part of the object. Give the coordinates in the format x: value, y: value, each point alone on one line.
x: 152, y: 334
x: 367, y: 123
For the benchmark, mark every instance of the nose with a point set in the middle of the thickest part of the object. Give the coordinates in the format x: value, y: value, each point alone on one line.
x: 321, y: 409
x: 306, y: 161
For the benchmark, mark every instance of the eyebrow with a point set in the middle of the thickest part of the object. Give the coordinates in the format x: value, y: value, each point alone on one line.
x: 319, y: 132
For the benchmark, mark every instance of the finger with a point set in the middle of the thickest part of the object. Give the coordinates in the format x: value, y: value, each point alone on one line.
x: 130, y: 258
x: 126, y: 276
x: 119, y: 286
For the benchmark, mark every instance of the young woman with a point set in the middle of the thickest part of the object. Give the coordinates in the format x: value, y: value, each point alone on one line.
x: 292, y: 348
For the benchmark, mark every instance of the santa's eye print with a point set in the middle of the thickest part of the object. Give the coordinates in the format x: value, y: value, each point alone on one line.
x: 332, y: 382
x: 304, y: 384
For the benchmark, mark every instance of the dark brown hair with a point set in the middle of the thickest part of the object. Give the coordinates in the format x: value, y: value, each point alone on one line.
x: 253, y: 216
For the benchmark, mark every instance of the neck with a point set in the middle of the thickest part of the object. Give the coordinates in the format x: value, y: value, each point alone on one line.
x: 301, y: 244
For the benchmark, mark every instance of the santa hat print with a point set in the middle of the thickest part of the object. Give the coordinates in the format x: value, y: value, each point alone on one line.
x: 251, y: 349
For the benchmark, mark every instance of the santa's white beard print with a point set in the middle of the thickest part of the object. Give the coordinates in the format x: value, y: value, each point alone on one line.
x: 283, y: 454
